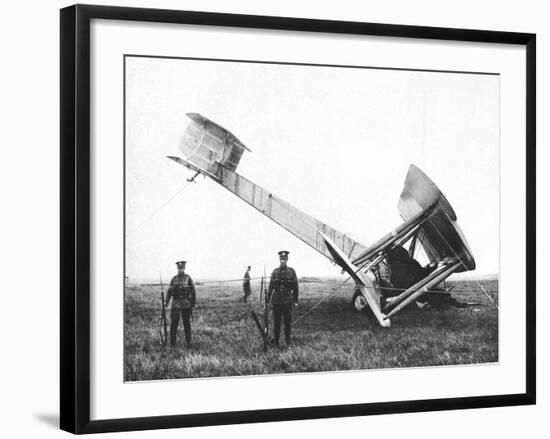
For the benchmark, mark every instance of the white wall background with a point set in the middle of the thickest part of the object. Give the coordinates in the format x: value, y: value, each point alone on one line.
x: 29, y: 222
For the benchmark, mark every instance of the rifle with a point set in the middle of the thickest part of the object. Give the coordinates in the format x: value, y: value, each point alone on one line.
x: 261, y: 288
x: 266, y: 309
x: 264, y: 329
x: 163, y: 329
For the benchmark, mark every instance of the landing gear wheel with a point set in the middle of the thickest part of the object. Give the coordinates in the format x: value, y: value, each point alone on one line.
x: 359, y: 302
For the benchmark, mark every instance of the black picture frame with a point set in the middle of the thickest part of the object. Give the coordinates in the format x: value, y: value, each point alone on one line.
x: 75, y: 216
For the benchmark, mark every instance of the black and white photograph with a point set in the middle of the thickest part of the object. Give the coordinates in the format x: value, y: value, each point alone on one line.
x: 286, y: 218
x: 275, y: 219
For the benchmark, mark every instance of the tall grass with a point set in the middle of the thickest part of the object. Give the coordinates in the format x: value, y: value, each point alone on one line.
x: 333, y: 337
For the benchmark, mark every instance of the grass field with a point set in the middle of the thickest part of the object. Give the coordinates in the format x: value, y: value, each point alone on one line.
x: 332, y: 337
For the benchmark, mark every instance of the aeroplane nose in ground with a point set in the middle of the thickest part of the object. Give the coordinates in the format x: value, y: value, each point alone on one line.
x: 429, y: 222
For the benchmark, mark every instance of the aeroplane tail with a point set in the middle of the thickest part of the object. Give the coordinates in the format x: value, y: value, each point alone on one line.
x: 208, y: 147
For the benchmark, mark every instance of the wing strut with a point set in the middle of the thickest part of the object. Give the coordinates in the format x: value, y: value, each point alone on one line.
x: 428, y: 282
x: 362, y: 281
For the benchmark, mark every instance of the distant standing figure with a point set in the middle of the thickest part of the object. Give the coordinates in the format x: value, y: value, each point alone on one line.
x: 283, y: 294
x: 246, y: 283
x: 182, y: 293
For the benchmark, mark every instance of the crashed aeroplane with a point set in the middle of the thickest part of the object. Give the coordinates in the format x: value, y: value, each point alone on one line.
x: 386, y: 275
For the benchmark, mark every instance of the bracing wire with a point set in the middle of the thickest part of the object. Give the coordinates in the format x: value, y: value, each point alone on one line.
x: 462, y: 262
x: 330, y: 293
x: 159, y: 208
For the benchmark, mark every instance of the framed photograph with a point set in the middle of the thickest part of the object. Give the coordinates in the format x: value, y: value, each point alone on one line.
x: 285, y: 218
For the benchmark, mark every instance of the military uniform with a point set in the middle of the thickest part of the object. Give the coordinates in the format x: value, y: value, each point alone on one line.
x: 283, y: 294
x: 246, y: 284
x: 182, y: 293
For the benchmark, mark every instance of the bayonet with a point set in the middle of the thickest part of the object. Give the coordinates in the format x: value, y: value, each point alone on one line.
x: 163, y: 329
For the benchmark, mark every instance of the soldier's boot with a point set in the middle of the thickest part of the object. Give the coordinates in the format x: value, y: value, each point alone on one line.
x: 276, y: 327
x: 187, y: 330
x: 288, y: 327
x: 172, y: 339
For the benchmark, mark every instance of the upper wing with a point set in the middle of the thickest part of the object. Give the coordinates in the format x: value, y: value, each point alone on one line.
x: 440, y: 235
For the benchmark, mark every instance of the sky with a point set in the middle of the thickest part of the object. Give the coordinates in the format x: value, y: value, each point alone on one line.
x: 335, y: 142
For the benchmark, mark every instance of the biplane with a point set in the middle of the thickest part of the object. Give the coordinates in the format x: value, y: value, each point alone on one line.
x: 387, y: 277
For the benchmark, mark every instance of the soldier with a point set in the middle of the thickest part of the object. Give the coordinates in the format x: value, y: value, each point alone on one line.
x: 246, y: 283
x: 182, y: 290
x: 283, y: 294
